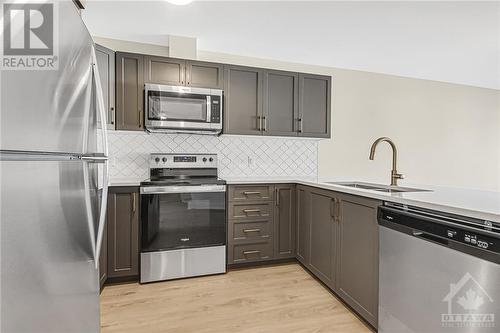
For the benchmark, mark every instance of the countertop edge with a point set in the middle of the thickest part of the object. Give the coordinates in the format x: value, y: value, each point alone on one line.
x: 483, y: 215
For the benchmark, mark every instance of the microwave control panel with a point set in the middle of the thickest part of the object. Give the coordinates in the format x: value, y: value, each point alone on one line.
x: 215, y: 112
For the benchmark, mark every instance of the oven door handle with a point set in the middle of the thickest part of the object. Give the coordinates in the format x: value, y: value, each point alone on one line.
x: 183, y: 189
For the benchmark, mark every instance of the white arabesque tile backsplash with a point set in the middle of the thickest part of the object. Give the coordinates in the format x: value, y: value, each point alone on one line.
x: 239, y: 156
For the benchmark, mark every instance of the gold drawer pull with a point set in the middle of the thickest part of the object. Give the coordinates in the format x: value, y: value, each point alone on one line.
x: 251, y: 211
x: 251, y: 230
x: 251, y: 252
x: 250, y: 192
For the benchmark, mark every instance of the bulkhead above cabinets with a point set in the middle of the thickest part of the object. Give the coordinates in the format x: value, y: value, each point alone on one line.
x: 257, y: 101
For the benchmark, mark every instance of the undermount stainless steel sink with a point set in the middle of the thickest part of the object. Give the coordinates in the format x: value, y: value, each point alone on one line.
x: 379, y: 187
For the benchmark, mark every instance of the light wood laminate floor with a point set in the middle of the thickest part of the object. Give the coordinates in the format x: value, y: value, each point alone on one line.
x: 274, y: 299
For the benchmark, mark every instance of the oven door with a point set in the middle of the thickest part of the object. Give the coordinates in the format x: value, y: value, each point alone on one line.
x: 182, y: 217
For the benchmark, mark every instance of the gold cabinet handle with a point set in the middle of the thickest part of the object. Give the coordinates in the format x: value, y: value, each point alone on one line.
x: 251, y: 210
x: 251, y: 252
x: 251, y: 230
x: 337, y: 210
x: 277, y: 197
x: 133, y: 202
x: 332, y: 208
x: 251, y: 192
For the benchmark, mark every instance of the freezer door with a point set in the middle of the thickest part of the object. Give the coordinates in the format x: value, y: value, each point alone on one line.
x: 49, y: 110
x: 49, y: 241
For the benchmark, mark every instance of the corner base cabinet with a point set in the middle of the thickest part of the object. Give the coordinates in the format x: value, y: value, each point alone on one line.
x: 337, y: 240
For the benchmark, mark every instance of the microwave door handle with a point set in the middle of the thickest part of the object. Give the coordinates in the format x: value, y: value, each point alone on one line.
x: 209, y: 109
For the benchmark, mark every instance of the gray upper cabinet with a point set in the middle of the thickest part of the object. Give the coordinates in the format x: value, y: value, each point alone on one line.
x: 357, y: 279
x: 284, y: 222
x: 243, y: 100
x: 323, y: 236
x: 204, y: 74
x: 280, y: 111
x: 123, y: 232
x: 180, y: 72
x: 129, y: 91
x: 314, y: 105
x: 303, y: 235
x: 162, y: 70
x: 106, y: 65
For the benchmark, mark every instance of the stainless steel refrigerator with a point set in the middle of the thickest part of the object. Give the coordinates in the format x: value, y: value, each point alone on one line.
x: 53, y: 164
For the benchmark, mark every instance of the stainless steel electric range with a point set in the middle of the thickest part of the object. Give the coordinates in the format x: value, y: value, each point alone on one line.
x: 183, y: 218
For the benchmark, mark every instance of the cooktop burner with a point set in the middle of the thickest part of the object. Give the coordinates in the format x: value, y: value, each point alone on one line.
x: 183, y: 170
x: 183, y: 182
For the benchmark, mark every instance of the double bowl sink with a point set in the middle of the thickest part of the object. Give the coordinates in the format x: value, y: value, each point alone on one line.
x: 378, y: 187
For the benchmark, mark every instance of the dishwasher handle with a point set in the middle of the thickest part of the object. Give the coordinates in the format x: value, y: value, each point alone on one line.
x: 430, y: 237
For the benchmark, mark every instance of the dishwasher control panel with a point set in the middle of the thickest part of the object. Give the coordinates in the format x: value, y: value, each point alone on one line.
x: 446, y: 228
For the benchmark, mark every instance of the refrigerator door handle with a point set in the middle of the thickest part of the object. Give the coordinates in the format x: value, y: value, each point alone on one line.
x: 104, y: 197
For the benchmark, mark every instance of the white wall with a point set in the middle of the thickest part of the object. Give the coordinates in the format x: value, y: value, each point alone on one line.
x: 447, y: 134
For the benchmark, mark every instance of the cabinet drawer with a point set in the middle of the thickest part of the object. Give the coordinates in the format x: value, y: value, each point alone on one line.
x: 250, y: 211
x: 251, y: 252
x: 254, y: 230
x: 251, y: 192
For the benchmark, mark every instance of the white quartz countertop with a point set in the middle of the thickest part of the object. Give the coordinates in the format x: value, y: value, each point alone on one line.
x: 474, y: 203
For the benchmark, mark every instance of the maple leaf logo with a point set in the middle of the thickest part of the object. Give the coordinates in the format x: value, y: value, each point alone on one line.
x: 471, y: 301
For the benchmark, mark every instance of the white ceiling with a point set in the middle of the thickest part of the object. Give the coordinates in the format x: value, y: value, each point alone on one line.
x: 456, y: 42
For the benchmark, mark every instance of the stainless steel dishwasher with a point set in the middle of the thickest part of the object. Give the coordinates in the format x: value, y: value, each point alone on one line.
x: 438, y: 272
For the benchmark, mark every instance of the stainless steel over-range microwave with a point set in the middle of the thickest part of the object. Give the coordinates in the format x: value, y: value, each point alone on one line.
x: 179, y: 109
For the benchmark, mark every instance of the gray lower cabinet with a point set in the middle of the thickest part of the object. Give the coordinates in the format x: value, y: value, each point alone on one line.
x: 284, y: 221
x: 337, y: 240
x: 129, y: 91
x: 280, y: 111
x: 243, y: 100
x: 106, y: 65
x: 323, y: 233
x: 123, y: 232
x: 357, y: 278
x: 103, y: 257
x: 314, y: 105
x: 317, y: 232
x: 303, y: 229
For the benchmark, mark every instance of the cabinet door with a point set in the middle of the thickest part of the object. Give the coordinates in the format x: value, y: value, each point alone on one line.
x: 323, y: 237
x: 284, y: 222
x: 106, y: 65
x: 123, y: 232
x: 103, y: 257
x: 243, y: 100
x: 303, y: 224
x: 314, y: 105
x: 204, y: 74
x: 358, y: 255
x: 280, y: 111
x: 162, y: 70
x: 129, y: 91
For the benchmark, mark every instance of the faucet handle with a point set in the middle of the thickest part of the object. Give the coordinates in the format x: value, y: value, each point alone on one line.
x: 400, y: 176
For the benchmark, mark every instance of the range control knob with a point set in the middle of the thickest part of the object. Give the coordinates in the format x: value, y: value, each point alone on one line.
x: 164, y: 160
x: 157, y: 160
x: 211, y: 159
x: 204, y: 159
